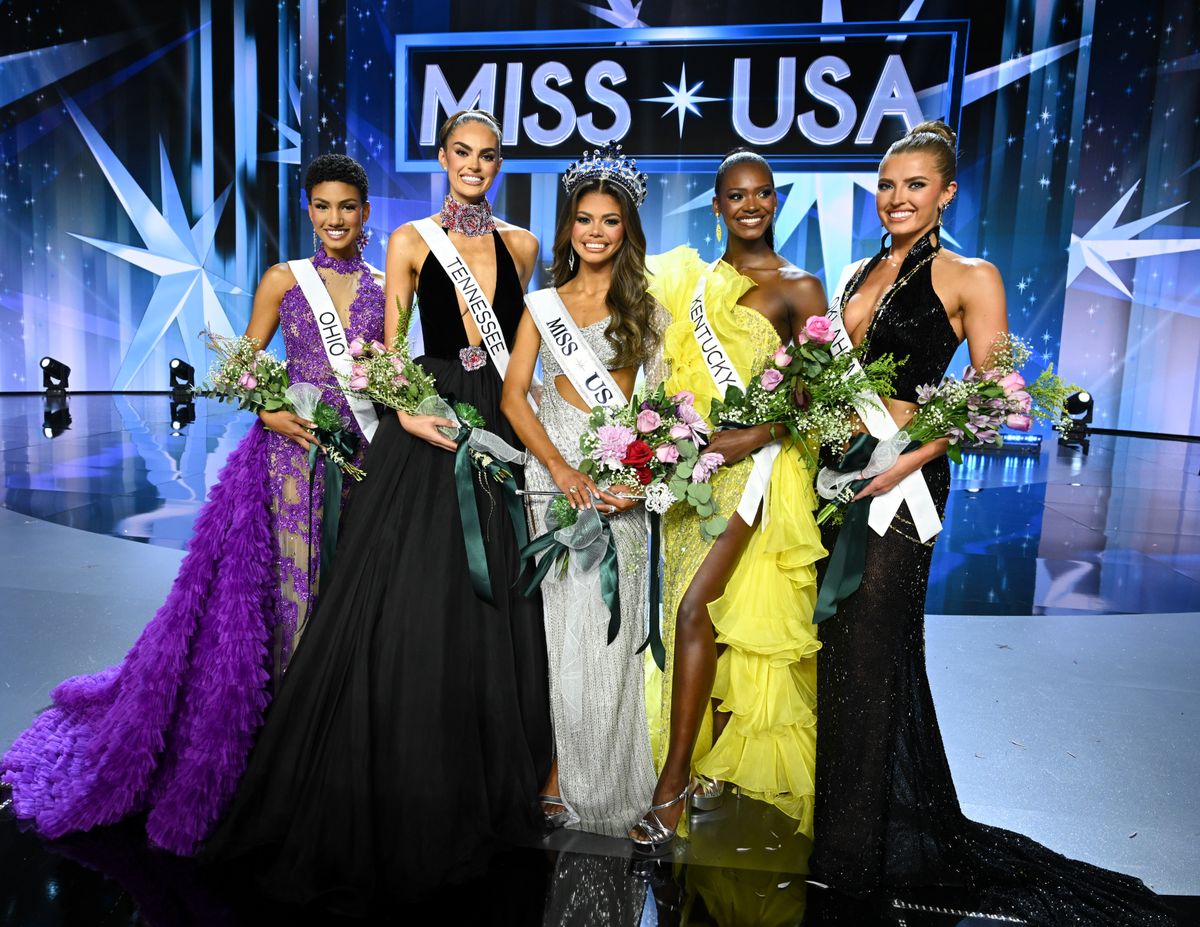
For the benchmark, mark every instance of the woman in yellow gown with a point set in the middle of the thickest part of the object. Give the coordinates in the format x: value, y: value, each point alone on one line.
x: 750, y: 592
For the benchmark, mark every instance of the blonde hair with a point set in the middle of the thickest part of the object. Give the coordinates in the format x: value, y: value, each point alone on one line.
x: 935, y: 138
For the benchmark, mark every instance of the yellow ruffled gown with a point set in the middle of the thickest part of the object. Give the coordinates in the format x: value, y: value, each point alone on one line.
x: 766, y: 673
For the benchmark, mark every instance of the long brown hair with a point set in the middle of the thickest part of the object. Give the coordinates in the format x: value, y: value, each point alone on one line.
x: 631, y: 328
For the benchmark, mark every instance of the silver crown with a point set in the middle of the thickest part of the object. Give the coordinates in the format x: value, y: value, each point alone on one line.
x: 608, y: 163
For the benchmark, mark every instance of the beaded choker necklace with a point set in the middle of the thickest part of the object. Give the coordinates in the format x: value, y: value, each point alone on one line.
x: 339, y: 265
x: 470, y: 219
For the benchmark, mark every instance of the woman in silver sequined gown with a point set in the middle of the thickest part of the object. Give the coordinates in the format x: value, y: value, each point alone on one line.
x: 604, y: 774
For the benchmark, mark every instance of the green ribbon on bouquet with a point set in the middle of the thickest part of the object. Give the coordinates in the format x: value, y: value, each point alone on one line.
x: 654, y: 638
x: 843, y: 576
x: 579, y: 539
x: 346, y: 444
x: 476, y: 439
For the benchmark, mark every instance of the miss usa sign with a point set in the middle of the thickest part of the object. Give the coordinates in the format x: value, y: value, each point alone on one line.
x: 817, y: 96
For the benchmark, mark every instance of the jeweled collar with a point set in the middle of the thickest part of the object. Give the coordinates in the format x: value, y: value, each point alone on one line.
x: 339, y: 265
x: 470, y: 219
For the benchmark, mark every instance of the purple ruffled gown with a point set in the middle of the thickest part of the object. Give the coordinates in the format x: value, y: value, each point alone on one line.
x: 167, y: 732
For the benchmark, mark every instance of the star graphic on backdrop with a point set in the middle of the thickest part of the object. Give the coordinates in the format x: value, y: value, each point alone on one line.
x: 1106, y: 241
x: 175, y: 250
x: 682, y: 99
x: 620, y: 13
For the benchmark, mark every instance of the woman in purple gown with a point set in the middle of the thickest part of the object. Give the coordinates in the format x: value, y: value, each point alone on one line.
x: 166, y: 733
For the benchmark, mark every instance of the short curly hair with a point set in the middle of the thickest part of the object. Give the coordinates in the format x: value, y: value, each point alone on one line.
x: 338, y: 168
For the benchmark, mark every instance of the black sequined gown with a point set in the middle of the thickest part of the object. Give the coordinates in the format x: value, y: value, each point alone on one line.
x: 887, y: 815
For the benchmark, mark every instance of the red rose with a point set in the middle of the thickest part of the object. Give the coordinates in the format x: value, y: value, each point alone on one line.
x: 644, y: 475
x: 638, y: 454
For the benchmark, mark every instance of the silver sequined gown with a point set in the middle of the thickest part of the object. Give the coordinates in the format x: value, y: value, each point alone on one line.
x: 597, y: 699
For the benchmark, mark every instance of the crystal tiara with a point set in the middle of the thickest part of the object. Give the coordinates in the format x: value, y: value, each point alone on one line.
x: 610, y: 164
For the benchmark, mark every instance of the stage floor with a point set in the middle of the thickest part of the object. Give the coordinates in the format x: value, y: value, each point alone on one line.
x: 1064, y: 623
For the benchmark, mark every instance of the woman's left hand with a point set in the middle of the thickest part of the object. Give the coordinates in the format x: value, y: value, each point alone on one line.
x: 610, y: 504
x: 890, y: 478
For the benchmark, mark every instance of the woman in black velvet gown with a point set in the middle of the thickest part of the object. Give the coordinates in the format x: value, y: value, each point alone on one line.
x: 413, y: 731
x: 887, y: 815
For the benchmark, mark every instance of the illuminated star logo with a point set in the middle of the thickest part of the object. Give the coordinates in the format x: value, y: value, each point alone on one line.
x: 682, y: 99
x: 620, y: 13
x: 175, y: 250
x: 1106, y: 241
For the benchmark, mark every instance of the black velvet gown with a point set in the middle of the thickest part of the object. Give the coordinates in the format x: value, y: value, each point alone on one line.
x: 412, y: 732
x: 887, y: 815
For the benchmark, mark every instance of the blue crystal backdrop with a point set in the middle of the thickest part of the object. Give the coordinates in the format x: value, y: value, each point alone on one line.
x: 151, y: 153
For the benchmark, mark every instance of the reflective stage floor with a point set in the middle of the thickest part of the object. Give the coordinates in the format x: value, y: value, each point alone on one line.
x: 1064, y: 624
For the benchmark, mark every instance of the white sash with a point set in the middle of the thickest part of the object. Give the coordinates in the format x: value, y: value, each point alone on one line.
x: 575, y: 356
x: 464, y: 281
x: 721, y: 369
x: 333, y: 339
x: 912, y: 489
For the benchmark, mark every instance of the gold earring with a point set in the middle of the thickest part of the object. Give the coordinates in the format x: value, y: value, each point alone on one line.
x: 718, y: 227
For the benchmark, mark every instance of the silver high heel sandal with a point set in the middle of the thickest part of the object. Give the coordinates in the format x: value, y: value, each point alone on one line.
x: 708, y: 794
x: 650, y: 834
x: 556, y: 819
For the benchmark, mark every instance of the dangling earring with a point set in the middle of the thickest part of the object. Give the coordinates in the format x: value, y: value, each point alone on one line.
x: 364, y: 238
x: 316, y: 242
x: 941, y: 212
x: 571, y: 259
x: 718, y: 218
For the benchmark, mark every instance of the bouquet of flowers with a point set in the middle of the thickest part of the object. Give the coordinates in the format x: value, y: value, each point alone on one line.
x: 655, y: 442
x: 968, y: 412
x: 808, y: 390
x: 390, y: 378
x: 258, y: 381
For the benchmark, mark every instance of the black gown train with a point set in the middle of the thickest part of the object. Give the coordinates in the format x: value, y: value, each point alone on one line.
x: 412, y: 732
x: 887, y: 814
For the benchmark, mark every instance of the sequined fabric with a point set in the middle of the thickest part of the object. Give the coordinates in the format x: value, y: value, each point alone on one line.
x: 604, y: 766
x: 297, y: 528
x: 887, y: 814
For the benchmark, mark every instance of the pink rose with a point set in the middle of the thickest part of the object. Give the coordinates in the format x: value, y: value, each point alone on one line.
x: 378, y: 348
x: 770, y: 379
x: 648, y: 420
x: 1019, y: 422
x: 399, y: 380
x: 356, y: 347
x: 357, y: 383
x: 358, y: 370
x: 706, y: 465
x: 668, y: 454
x: 818, y: 329
x: 782, y: 358
x: 398, y: 364
x: 247, y: 380
x: 1023, y: 401
x: 1013, y: 382
x: 684, y: 396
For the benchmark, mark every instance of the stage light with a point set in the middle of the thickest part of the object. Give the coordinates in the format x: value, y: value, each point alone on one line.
x: 183, y: 378
x: 1079, y: 407
x: 54, y: 375
x: 183, y: 413
x: 56, y: 415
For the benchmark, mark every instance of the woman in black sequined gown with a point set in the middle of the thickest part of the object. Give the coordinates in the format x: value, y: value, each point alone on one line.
x: 412, y: 733
x: 887, y: 815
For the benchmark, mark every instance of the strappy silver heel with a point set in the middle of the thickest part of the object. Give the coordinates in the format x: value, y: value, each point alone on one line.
x: 708, y: 794
x: 556, y: 819
x: 650, y: 834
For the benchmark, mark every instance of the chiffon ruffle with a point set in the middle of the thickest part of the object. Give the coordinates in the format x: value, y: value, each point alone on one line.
x: 767, y: 674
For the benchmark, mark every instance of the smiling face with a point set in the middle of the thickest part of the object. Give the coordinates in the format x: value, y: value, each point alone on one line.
x: 909, y: 192
x: 599, y: 228
x: 747, y: 199
x: 471, y: 159
x: 338, y: 214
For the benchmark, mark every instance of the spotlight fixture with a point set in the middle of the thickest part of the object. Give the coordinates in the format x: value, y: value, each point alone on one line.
x: 183, y: 413
x: 56, y: 415
x: 183, y: 379
x: 54, y: 375
x: 1079, y: 407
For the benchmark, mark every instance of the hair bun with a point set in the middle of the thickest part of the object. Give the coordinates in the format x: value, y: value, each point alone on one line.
x: 935, y: 127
